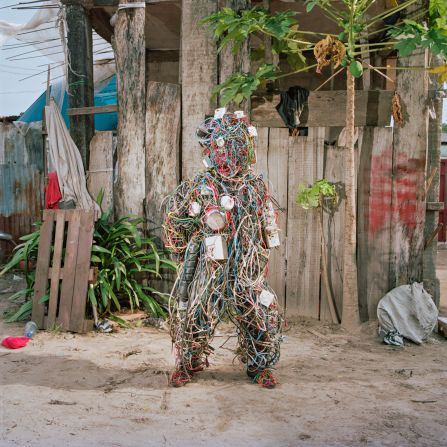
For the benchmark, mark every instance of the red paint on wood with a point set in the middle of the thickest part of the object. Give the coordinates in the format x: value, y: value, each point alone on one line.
x: 380, y: 191
x: 410, y: 203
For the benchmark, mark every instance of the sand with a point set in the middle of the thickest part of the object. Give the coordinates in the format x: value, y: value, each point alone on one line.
x: 111, y: 390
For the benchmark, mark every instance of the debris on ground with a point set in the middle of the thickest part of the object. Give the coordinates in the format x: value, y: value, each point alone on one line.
x: 15, y: 342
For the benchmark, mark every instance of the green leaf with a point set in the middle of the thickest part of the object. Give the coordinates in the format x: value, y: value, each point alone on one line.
x: 95, y: 258
x: 356, y: 69
x: 120, y: 321
x: 437, y: 8
x: 23, y: 313
x: 343, y: 36
x: 91, y: 295
x: 100, y: 197
x: 310, y: 4
x: 99, y: 249
x: 296, y: 61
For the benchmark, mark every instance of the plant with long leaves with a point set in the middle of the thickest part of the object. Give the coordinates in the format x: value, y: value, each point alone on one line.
x: 119, y: 251
x: 24, y: 254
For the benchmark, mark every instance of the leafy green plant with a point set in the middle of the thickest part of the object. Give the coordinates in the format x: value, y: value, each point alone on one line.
x: 322, y: 196
x: 240, y: 86
x: 314, y: 196
x: 119, y: 252
x: 24, y: 254
x: 231, y: 27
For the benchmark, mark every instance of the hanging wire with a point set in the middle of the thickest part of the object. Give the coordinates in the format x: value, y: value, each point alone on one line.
x: 36, y: 30
x: 33, y: 51
x: 40, y: 72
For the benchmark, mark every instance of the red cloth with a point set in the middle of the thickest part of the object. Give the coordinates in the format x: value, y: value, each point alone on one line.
x: 15, y: 342
x: 52, y: 192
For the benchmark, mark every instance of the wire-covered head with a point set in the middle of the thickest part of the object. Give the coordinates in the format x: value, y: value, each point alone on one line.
x: 228, y: 143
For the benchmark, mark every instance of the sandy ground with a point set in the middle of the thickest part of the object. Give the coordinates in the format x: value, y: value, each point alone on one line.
x: 111, y: 390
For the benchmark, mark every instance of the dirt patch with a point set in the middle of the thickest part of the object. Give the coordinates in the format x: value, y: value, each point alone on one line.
x: 336, y: 390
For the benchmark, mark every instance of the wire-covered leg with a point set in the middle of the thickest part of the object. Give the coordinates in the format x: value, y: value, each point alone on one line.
x: 193, y: 322
x: 259, y: 335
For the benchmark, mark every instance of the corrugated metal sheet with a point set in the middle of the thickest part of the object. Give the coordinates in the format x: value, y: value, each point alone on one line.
x: 21, y: 181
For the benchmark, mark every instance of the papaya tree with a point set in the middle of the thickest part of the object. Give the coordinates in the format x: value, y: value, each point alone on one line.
x: 360, y: 33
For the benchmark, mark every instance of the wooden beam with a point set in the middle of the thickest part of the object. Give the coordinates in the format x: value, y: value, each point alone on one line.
x: 100, y: 20
x: 100, y: 174
x: 162, y: 149
x: 129, y: 44
x: 92, y: 110
x: 105, y: 3
x: 431, y: 282
x: 409, y: 170
x: 374, y: 212
x: 327, y: 109
x: 198, y: 72
x: 80, y: 76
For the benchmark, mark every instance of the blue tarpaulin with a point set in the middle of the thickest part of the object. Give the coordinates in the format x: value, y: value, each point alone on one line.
x: 104, y: 95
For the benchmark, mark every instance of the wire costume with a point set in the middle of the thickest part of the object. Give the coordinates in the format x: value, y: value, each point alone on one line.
x: 220, y: 224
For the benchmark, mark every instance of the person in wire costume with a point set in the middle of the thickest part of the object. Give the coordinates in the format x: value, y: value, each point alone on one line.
x: 221, y: 226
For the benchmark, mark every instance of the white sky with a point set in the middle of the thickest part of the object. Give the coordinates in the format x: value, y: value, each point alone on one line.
x: 15, y: 95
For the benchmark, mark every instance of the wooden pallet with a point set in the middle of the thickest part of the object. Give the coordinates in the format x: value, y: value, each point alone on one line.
x: 64, y: 271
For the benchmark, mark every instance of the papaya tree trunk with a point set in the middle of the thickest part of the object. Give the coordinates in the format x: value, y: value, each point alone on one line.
x: 350, y: 317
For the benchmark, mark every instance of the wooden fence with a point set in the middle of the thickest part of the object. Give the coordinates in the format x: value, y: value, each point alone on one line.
x: 295, y: 267
x: 286, y: 162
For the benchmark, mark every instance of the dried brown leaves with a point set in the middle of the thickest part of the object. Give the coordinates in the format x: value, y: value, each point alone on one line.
x: 396, y: 110
x: 329, y: 50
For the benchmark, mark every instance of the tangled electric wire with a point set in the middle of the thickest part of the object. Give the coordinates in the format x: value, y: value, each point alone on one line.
x: 228, y: 142
x: 228, y: 202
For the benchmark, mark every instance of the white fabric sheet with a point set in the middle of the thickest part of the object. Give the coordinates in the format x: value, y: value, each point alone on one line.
x: 67, y: 161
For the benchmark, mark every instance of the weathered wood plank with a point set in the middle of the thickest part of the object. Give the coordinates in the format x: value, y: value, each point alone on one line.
x: 431, y: 282
x: 79, y: 301
x: 277, y: 160
x: 198, y: 69
x: 374, y: 211
x: 326, y: 108
x: 229, y: 62
x: 71, y: 254
x: 409, y: 167
x: 162, y: 148
x: 262, y: 148
x: 303, y: 236
x: 92, y: 276
x: 100, y: 174
x: 42, y: 266
x: 56, y: 267
x: 333, y: 233
x: 92, y: 110
x: 129, y: 46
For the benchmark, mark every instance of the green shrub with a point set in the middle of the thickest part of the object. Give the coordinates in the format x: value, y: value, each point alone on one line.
x: 119, y: 251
